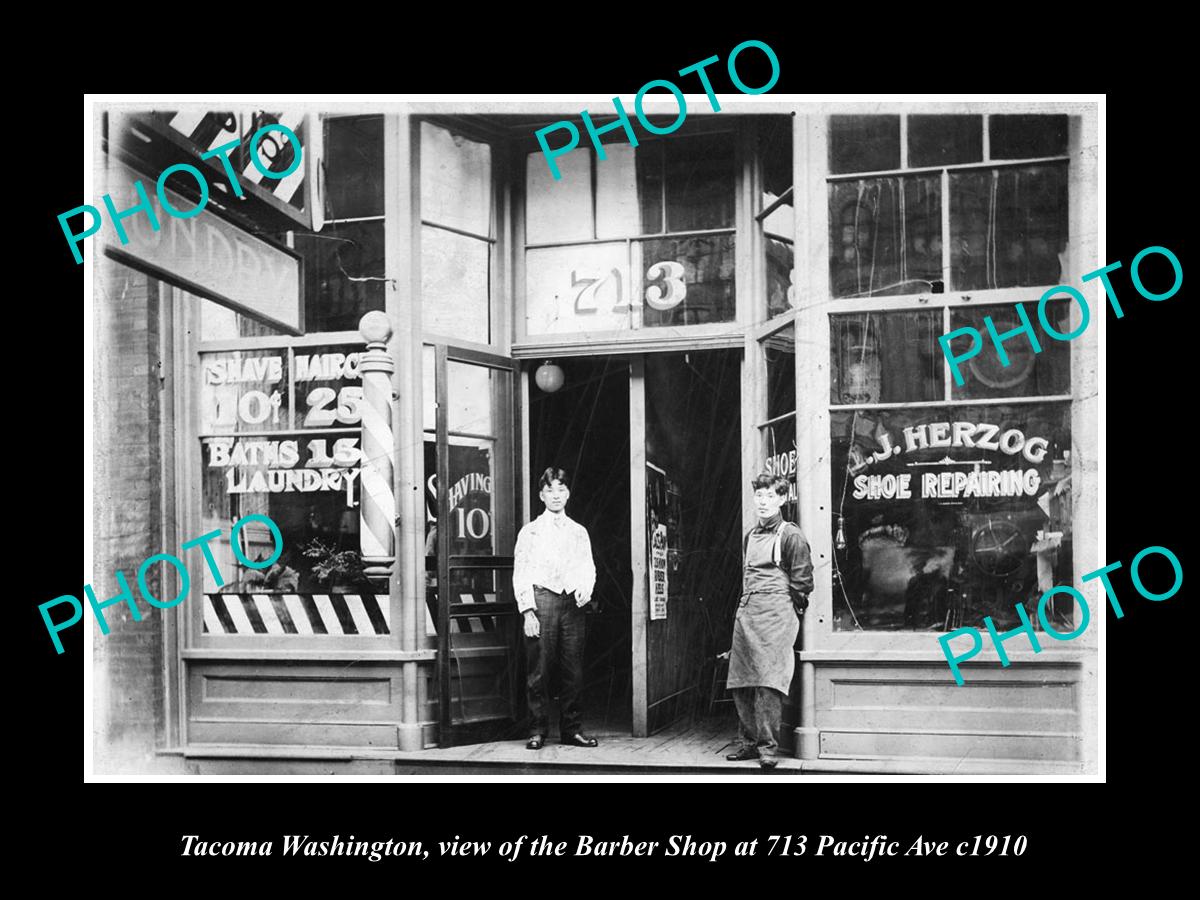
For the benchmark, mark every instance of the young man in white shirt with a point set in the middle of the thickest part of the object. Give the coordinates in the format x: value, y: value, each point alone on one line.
x: 553, y: 578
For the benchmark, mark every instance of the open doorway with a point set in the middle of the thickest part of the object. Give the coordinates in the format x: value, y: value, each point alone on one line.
x: 694, y: 524
x: 688, y: 410
x: 584, y: 428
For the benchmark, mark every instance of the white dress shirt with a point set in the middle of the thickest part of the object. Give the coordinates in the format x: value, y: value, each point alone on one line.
x: 555, y: 552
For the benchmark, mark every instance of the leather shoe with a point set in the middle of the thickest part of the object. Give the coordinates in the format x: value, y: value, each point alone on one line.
x: 579, y: 739
x: 536, y: 742
x: 743, y: 754
x: 768, y: 762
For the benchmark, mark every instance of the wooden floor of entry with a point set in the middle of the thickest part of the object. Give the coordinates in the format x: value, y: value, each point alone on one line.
x: 698, y: 745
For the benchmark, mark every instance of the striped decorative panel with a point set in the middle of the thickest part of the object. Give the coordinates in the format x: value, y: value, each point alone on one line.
x: 460, y: 624
x: 473, y: 624
x: 305, y: 614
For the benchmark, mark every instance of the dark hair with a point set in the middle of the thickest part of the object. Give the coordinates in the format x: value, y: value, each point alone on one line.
x: 553, y: 474
x: 776, y: 482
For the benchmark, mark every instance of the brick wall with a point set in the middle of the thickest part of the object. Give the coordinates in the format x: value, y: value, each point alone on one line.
x: 127, y: 663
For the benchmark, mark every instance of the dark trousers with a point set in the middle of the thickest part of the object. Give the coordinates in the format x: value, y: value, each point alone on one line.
x: 559, y: 647
x: 760, y: 712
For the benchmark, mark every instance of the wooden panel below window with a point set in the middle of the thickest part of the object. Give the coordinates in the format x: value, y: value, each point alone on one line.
x: 1023, y: 712
x: 294, y: 703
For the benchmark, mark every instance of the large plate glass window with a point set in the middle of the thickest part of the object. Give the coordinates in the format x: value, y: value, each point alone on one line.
x: 949, y: 502
x: 280, y: 436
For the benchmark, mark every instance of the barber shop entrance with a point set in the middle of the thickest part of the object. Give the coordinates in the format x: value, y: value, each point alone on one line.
x: 652, y: 445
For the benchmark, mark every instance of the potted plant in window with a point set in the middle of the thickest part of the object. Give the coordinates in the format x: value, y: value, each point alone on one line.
x: 341, y: 571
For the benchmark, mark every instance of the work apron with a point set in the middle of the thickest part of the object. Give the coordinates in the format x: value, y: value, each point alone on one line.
x: 766, y: 625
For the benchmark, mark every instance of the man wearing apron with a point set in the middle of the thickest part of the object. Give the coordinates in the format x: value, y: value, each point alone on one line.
x: 775, y: 587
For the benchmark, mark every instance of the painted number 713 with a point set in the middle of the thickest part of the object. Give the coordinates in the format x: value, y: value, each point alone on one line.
x: 665, y: 289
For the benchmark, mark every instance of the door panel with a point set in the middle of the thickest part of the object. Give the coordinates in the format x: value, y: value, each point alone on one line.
x: 477, y: 623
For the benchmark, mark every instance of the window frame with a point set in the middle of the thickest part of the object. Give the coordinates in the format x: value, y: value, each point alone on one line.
x: 497, y: 240
x: 816, y: 304
x: 324, y: 119
x: 197, y: 644
x: 643, y: 337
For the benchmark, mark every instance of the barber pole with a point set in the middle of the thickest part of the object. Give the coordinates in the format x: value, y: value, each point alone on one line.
x: 377, y: 537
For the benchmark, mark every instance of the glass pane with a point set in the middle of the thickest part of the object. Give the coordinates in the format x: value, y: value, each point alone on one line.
x: 429, y: 388
x: 886, y: 357
x: 885, y: 236
x: 618, y: 207
x: 219, y: 323
x: 473, y: 392
x: 1027, y: 374
x: 943, y: 516
x: 455, y: 284
x: 1008, y: 227
x: 944, y: 140
x: 863, y: 143
x: 354, y: 167
x: 342, y: 252
x: 1027, y: 137
x: 781, y: 263
x: 775, y: 148
x: 456, y: 180
x: 693, y: 278
x: 782, y: 221
x: 649, y: 165
x: 472, y: 494
x: 244, y: 391
x: 779, y: 458
x: 577, y: 289
x: 780, y: 352
x: 558, y: 210
x: 488, y: 651
x: 309, y: 486
x: 700, y: 175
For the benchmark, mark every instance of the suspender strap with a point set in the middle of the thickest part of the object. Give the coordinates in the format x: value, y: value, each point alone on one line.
x: 776, y: 544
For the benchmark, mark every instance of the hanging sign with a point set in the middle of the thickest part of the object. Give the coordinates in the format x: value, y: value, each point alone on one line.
x: 204, y: 254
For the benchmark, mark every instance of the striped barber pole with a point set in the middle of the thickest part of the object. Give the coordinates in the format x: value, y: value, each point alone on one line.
x: 209, y: 130
x: 304, y: 614
x: 378, y: 503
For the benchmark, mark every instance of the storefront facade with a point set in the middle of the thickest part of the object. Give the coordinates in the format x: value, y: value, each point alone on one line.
x: 762, y: 289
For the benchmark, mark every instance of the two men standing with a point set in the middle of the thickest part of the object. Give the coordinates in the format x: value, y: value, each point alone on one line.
x: 553, y: 579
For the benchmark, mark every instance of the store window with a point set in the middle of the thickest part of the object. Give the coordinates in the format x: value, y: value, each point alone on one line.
x: 280, y: 436
x: 640, y: 239
x: 950, y: 502
x: 944, y: 515
x: 344, y: 262
x: 457, y: 246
